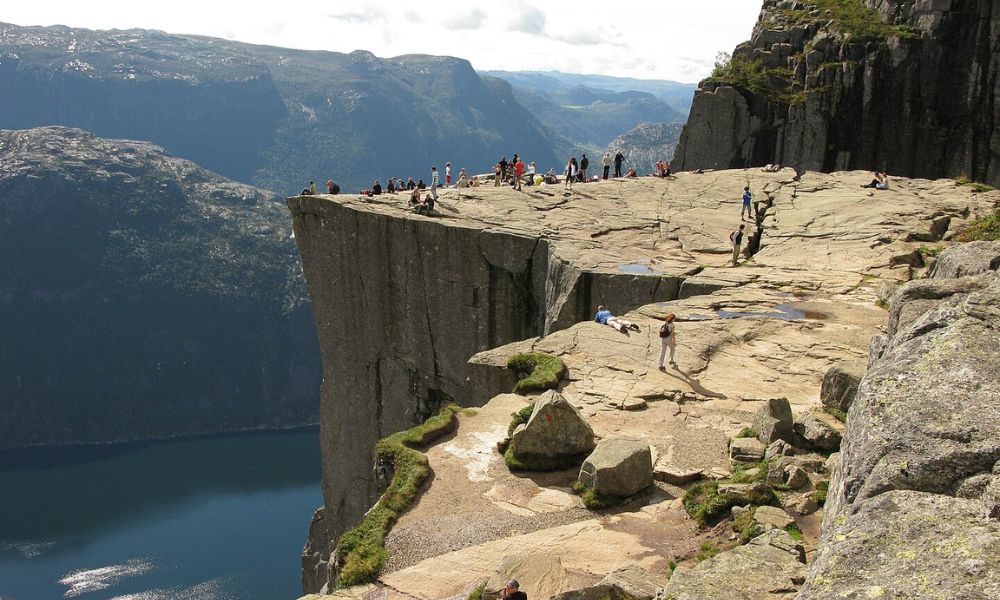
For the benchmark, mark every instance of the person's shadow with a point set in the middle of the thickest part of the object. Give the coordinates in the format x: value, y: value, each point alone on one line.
x: 695, y: 384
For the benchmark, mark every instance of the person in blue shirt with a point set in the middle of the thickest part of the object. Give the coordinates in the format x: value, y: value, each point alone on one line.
x: 604, y: 317
x: 747, y: 197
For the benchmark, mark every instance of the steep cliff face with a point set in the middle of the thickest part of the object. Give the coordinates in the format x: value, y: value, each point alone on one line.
x: 905, y: 87
x: 143, y: 297
x: 403, y: 301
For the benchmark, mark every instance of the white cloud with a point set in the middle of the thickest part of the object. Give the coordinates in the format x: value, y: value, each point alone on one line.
x: 670, y: 39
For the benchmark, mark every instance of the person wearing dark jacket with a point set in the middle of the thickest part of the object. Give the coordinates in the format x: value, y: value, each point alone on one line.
x: 511, y: 591
x: 619, y: 157
x: 584, y: 162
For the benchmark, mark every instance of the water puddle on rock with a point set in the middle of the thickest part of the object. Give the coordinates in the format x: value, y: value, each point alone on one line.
x: 636, y: 268
x: 784, y: 312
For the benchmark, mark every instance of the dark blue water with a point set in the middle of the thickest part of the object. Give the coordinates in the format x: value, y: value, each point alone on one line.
x: 212, y: 519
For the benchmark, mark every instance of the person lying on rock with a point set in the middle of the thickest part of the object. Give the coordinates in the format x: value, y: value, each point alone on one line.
x: 668, y: 339
x: 511, y: 591
x: 604, y: 317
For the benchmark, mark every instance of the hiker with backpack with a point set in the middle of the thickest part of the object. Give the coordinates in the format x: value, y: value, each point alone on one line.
x: 668, y: 339
x: 584, y: 163
x: 736, y: 238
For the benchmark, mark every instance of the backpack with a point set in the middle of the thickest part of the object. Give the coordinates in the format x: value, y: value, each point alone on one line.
x: 665, y: 330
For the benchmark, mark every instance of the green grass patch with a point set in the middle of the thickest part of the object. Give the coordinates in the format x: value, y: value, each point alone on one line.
x: 744, y: 472
x: 796, y: 533
x: 849, y: 17
x: 672, y: 565
x: 519, y: 418
x: 746, y: 528
x: 773, y: 83
x: 836, y: 413
x: 477, y: 592
x: 708, y: 549
x: 975, y: 185
x: 596, y: 501
x: 540, y: 463
x: 982, y: 229
x: 746, y: 432
x: 361, y: 551
x: 822, y: 489
x: 707, y: 506
x: 537, y: 371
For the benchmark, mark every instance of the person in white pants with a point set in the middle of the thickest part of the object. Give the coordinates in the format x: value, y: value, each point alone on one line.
x: 668, y: 339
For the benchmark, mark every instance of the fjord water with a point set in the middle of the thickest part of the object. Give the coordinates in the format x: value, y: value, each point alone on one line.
x: 216, y: 518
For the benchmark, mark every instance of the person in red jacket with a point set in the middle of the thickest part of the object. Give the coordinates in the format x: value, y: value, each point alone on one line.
x: 518, y: 171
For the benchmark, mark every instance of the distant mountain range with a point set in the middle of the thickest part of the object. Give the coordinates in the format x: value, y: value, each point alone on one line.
x: 278, y: 118
x: 142, y: 296
x: 273, y: 117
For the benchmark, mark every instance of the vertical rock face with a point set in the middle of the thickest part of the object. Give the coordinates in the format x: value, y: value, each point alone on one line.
x: 906, y: 87
x: 402, y: 302
x: 920, y: 459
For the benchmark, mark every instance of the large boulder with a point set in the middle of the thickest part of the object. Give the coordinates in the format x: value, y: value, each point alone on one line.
x: 906, y: 544
x: 773, y: 421
x: 915, y: 298
x: 555, y: 430
x: 925, y: 416
x: 962, y: 260
x: 840, y: 384
x: 618, y: 467
x: 770, y: 566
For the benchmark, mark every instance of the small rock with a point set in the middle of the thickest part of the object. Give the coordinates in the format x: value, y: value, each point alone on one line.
x: 817, y: 433
x: 734, y: 488
x: 772, y: 515
x: 795, y: 477
x: 831, y: 462
x: 675, y: 475
x: 807, y: 505
x: 748, y: 450
x: 717, y: 473
x: 840, y: 384
x: 773, y: 421
x: 739, y: 511
x: 778, y: 448
x: 634, y: 404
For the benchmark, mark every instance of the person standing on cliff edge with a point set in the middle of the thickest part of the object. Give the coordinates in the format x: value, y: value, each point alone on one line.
x: 668, y: 339
x: 435, y: 181
x: 619, y: 158
x: 607, y: 164
x: 736, y: 238
x: 747, y: 197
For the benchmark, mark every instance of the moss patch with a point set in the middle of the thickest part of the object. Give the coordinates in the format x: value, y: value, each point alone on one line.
x: 537, y: 371
x: 477, y: 592
x: 796, y: 533
x: 519, y: 418
x: 597, y: 501
x: 707, y: 506
x: 540, y: 463
x: 849, y: 17
x: 822, y: 488
x: 746, y: 432
x: 982, y: 229
x: 975, y: 185
x: 836, y: 413
x: 361, y: 551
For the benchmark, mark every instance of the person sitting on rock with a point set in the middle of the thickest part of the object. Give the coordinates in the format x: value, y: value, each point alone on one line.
x: 666, y: 168
x: 463, y: 180
x: 512, y: 591
x: 414, y: 198
x: 421, y: 185
x: 668, y: 339
x: 604, y: 317
x: 880, y: 182
x: 427, y: 206
x: 376, y: 188
x: 332, y: 188
x: 631, y: 172
x: 410, y: 184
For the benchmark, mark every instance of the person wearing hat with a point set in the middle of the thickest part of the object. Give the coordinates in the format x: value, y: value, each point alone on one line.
x: 511, y: 591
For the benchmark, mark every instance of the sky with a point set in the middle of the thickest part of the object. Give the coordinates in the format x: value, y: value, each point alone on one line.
x: 665, y: 39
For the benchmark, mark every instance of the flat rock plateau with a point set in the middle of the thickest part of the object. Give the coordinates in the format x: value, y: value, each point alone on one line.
x: 416, y: 310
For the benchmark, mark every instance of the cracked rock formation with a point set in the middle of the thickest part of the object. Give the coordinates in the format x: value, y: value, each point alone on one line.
x: 902, y: 86
x: 404, y: 300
